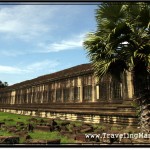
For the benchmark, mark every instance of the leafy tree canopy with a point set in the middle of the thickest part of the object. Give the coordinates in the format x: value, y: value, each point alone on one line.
x: 3, y: 84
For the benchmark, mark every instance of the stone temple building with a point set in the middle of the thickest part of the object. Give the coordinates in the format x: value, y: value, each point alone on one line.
x: 73, y: 94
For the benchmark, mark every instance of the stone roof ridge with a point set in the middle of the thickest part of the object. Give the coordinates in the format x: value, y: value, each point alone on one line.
x: 59, y: 74
x: 71, y: 70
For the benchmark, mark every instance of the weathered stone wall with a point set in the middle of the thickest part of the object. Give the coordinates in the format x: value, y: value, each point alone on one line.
x: 81, y: 87
x: 121, y: 116
x: 73, y: 94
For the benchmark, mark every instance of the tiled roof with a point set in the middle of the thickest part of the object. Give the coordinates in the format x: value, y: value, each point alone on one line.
x: 76, y: 70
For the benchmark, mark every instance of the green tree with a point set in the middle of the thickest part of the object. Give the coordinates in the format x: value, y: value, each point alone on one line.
x: 3, y: 84
x: 122, y: 43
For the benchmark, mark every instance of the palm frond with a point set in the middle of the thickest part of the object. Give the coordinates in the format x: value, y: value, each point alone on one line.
x: 118, y: 24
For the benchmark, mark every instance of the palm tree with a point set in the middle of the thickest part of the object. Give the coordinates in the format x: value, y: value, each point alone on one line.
x: 122, y: 43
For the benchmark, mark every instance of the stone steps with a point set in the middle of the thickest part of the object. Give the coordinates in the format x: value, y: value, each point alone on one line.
x: 104, y: 110
x: 120, y: 110
x: 92, y: 112
x: 70, y: 106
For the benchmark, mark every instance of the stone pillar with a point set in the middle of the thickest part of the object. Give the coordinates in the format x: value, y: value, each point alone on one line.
x: 97, y: 95
x: 121, y: 87
x: 13, y: 93
x: 16, y: 98
x: 31, y: 100
x: 38, y: 95
x: 11, y: 98
x: 48, y: 93
x: 27, y: 95
x: 124, y: 86
x: 97, y: 92
x: 34, y: 94
x: 62, y: 95
x: 130, y: 85
x: 54, y: 100
x: 93, y: 89
x: 109, y: 90
x: 20, y: 97
x: 80, y: 84
x: 42, y: 96
x: 42, y: 92
x: 30, y: 95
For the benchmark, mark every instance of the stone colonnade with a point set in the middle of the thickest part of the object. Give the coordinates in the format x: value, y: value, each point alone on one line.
x: 78, y: 89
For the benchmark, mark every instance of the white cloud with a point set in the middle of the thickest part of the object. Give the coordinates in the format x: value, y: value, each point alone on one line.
x: 68, y: 44
x: 28, y: 22
x: 12, y: 53
x: 25, y: 21
x: 34, y: 23
x: 32, y: 68
x: 46, y: 64
x: 10, y: 70
x: 64, y: 45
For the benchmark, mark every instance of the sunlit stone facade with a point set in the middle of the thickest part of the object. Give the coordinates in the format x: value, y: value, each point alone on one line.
x: 72, y: 94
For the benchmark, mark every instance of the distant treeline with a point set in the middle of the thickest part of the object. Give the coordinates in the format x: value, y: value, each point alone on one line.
x: 3, y: 84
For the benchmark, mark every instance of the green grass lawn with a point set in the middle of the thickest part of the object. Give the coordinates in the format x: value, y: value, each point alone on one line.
x: 12, y: 119
x: 4, y: 133
x: 50, y: 136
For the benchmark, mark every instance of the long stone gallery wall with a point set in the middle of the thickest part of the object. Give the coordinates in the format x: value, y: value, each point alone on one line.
x: 73, y: 94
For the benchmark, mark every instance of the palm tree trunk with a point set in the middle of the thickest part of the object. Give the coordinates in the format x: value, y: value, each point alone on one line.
x: 143, y: 100
x: 145, y: 118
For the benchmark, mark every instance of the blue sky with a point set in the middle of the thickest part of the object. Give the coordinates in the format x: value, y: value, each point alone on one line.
x: 42, y: 39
